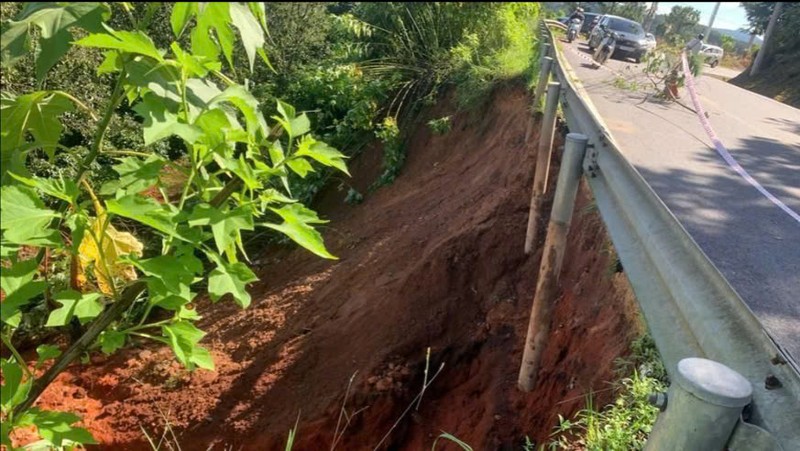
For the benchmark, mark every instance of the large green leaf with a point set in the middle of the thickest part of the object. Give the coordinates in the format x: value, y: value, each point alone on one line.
x: 147, y: 211
x: 66, y: 190
x: 242, y: 99
x: 74, y: 304
x: 10, y: 307
x: 13, y: 390
x: 296, y: 220
x: 325, y: 154
x: 182, y: 13
x: 56, y: 427
x: 225, y: 225
x: 17, y: 275
x: 230, y: 278
x: 250, y: 30
x: 134, y: 42
x: 164, y: 82
x: 192, y: 65
x: 169, y: 279
x: 183, y: 337
x: 160, y: 123
x: 37, y: 113
x: 213, y: 17
x: 24, y: 218
x: 46, y: 352
x: 135, y: 175
x: 300, y: 166
x: 294, y: 125
x: 111, y: 340
x: 54, y: 21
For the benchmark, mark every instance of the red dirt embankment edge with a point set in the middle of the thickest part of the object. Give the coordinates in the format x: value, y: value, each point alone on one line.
x: 434, y: 260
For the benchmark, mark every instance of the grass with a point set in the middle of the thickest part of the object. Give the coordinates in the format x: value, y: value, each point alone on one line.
x: 627, y: 85
x: 452, y: 438
x: 626, y: 423
x: 440, y: 126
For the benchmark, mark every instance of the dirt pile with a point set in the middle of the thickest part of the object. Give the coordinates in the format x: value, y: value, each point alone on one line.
x: 434, y: 260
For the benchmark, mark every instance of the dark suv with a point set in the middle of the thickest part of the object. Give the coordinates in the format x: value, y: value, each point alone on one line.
x: 632, y: 42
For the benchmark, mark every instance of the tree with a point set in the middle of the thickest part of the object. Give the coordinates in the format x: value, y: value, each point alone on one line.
x: 761, y: 56
x: 291, y: 43
x: 727, y: 43
x: 785, y: 40
x: 758, y: 14
x: 233, y: 178
x: 632, y: 10
x: 680, y: 23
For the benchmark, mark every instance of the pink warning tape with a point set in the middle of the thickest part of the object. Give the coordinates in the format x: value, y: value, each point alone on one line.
x: 721, y: 150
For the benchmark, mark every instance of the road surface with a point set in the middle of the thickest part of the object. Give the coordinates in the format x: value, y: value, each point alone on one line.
x: 752, y: 242
x: 723, y: 73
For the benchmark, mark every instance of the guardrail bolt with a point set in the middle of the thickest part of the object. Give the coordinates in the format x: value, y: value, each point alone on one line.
x: 778, y: 360
x: 772, y: 382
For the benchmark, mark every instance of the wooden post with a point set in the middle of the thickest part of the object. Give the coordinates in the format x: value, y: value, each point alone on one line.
x: 550, y: 268
x: 542, y: 163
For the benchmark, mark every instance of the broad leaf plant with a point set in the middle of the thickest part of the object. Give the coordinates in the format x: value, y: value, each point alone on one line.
x: 233, y: 178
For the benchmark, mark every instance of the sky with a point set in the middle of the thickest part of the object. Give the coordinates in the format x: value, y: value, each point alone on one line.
x: 730, y: 15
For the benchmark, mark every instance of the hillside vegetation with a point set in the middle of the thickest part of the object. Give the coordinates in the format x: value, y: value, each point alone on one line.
x: 779, y: 76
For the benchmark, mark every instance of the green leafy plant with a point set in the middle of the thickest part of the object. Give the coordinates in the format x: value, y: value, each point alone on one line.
x: 394, y: 155
x: 233, y: 178
x: 626, y: 423
x: 440, y: 126
x: 427, y: 46
x: 353, y: 197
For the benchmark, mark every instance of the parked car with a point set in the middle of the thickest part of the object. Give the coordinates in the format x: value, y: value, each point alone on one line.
x: 712, y: 54
x: 651, y: 42
x: 632, y: 41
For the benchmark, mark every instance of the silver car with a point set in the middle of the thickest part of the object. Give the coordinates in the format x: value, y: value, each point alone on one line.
x: 712, y: 54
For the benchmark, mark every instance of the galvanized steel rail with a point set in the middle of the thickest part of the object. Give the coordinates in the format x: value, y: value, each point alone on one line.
x: 690, y: 309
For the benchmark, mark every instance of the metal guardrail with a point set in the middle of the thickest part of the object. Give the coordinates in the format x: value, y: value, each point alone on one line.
x: 690, y: 309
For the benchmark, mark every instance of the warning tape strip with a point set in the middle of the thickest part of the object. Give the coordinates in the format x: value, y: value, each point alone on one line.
x: 721, y: 150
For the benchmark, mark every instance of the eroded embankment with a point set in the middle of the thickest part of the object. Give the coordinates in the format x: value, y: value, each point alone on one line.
x: 434, y: 260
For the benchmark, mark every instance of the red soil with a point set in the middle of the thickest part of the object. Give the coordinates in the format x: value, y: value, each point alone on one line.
x: 434, y: 260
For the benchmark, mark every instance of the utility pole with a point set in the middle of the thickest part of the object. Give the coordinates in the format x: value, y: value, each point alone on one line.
x: 773, y: 20
x: 651, y: 16
x: 711, y: 22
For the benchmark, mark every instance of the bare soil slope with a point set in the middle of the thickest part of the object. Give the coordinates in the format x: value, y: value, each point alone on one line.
x: 434, y: 260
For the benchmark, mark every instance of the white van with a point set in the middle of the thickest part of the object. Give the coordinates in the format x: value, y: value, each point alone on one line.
x: 711, y: 54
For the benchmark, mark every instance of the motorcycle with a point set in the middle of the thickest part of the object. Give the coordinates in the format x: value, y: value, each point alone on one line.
x: 574, y: 28
x: 606, y: 47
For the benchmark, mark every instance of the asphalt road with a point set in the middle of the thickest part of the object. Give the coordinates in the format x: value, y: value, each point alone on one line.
x: 754, y: 244
x: 720, y: 72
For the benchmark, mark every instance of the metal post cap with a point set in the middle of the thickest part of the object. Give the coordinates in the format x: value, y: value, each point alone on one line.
x: 578, y: 137
x: 713, y: 382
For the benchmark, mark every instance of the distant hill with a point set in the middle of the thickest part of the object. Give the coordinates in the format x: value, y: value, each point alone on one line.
x: 740, y: 36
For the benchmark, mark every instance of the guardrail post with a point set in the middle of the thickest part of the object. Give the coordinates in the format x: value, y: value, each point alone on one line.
x: 547, y: 286
x: 545, y: 51
x: 702, y: 407
x: 542, y: 163
x: 544, y: 77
